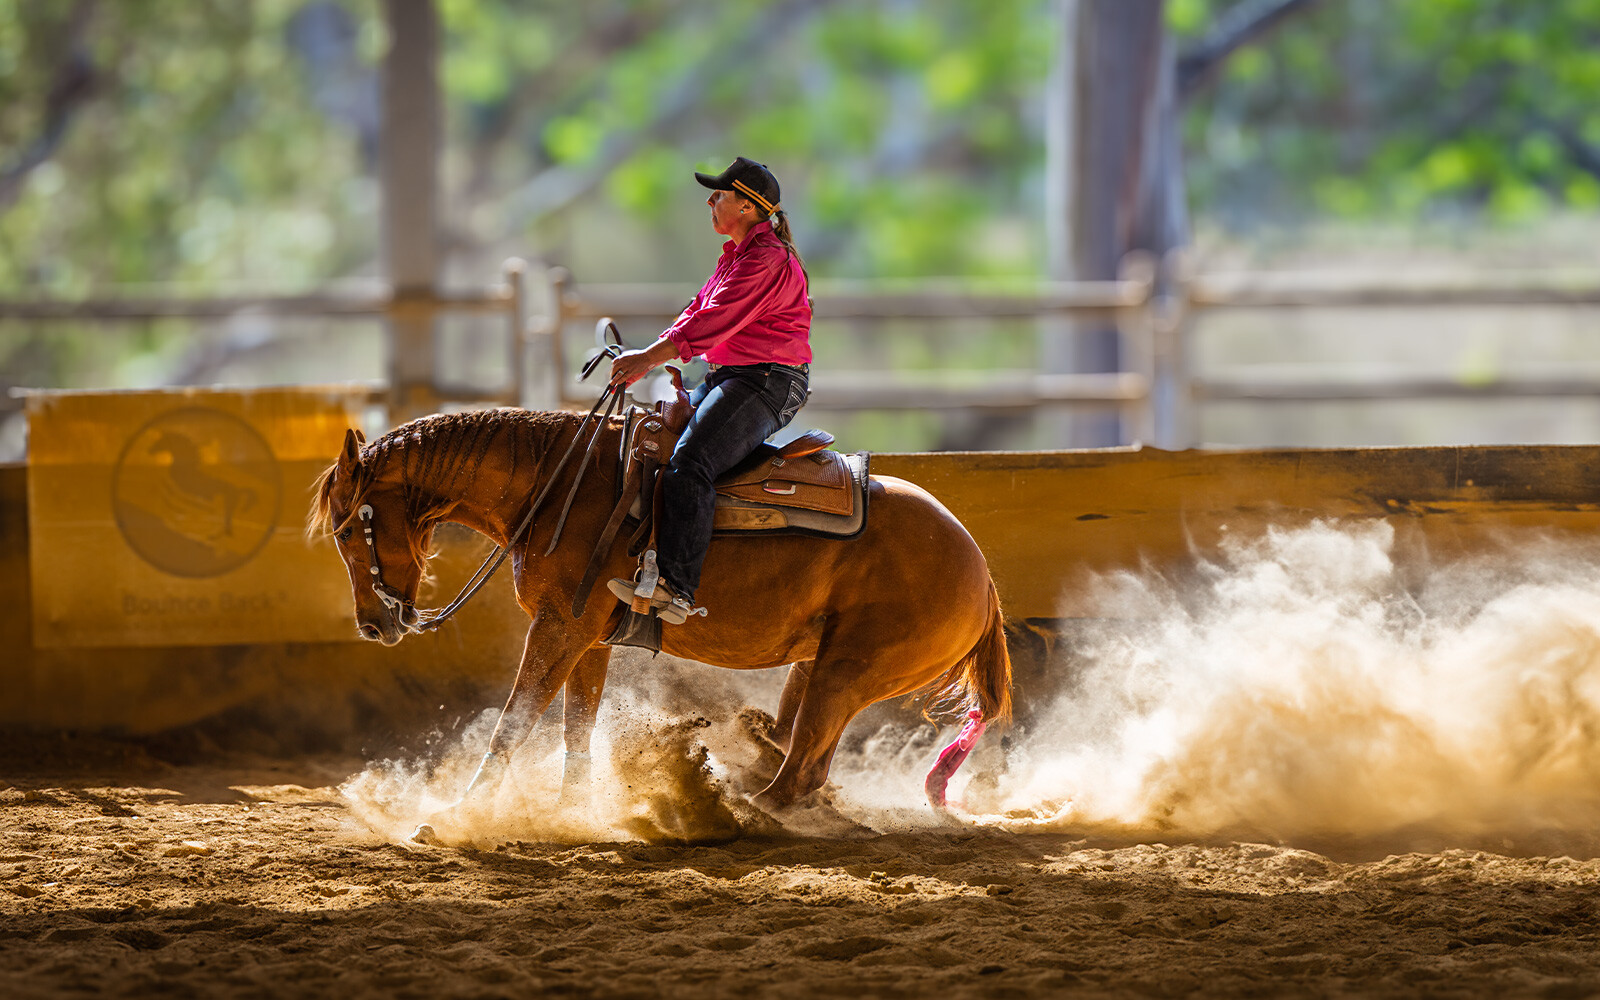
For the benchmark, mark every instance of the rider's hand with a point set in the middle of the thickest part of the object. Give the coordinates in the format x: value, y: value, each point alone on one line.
x: 631, y: 366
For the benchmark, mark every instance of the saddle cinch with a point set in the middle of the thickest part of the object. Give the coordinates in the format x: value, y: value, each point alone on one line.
x: 794, y: 488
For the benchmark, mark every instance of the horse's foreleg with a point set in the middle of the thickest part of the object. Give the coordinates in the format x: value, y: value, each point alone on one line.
x: 582, y: 705
x: 794, y: 688
x: 547, y: 661
x: 548, y: 658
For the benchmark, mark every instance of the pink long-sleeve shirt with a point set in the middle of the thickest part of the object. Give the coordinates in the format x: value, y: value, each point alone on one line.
x: 753, y: 310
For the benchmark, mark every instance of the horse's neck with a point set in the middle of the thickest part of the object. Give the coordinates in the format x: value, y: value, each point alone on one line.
x: 493, y: 495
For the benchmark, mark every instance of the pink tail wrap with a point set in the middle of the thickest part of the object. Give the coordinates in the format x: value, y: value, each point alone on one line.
x: 951, y: 757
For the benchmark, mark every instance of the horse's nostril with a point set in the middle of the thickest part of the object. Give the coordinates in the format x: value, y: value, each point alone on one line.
x: 370, y: 631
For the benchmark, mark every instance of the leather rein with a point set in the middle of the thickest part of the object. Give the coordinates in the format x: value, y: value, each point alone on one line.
x: 611, y: 399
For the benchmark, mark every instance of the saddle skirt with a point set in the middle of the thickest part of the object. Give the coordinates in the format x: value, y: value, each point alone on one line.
x: 820, y: 493
x: 797, y: 487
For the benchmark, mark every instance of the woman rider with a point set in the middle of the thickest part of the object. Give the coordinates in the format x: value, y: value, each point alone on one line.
x: 752, y: 322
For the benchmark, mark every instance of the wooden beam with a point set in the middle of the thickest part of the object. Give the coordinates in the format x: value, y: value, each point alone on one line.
x: 408, y: 155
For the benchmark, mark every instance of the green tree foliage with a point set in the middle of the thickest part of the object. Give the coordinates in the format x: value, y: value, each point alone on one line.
x: 151, y: 141
x: 904, y: 130
x: 1376, y: 109
x: 143, y: 141
x: 202, y: 146
x: 193, y: 154
x: 214, y: 142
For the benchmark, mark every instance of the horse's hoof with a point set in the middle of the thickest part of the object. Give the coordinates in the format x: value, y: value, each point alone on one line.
x: 424, y: 834
x: 768, y: 804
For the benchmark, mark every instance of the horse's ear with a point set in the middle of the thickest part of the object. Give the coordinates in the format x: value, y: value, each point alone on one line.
x: 350, y: 458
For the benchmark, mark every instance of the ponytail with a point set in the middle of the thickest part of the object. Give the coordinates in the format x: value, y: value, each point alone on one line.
x: 780, y: 229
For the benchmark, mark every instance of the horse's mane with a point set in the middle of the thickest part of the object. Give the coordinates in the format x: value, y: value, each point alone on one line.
x: 433, y: 452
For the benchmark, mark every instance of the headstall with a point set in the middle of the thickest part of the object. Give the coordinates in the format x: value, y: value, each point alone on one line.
x: 611, y: 398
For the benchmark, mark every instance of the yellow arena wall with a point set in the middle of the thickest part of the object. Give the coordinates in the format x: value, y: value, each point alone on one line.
x: 1047, y: 521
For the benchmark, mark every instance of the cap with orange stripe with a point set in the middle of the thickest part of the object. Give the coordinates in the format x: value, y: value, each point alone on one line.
x: 747, y: 177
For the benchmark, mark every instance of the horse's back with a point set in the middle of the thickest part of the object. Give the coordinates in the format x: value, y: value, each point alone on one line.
x: 915, y: 540
x: 772, y: 598
x: 902, y: 508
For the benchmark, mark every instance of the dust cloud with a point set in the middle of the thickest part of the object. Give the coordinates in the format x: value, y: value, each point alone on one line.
x: 1306, y: 686
x: 1301, y: 687
x: 652, y: 778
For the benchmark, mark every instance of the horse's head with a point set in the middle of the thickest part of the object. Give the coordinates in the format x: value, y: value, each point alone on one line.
x: 355, y: 505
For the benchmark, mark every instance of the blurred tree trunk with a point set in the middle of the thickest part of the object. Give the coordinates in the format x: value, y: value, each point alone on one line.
x: 74, y: 84
x: 1114, y: 177
x: 1115, y: 174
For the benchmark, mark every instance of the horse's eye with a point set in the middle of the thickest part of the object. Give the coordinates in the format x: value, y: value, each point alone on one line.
x: 344, y: 536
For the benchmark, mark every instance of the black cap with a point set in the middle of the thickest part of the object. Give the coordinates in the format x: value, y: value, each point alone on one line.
x: 749, y: 178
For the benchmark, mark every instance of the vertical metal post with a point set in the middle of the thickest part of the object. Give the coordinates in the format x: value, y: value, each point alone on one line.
x: 561, y: 378
x: 1057, y: 339
x: 408, y: 166
x: 1137, y: 327
x: 516, y: 275
x: 1173, y: 388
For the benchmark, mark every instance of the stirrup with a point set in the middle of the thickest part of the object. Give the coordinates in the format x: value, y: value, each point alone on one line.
x: 661, y: 602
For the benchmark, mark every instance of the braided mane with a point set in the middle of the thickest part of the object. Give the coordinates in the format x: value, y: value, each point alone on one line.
x: 437, y: 456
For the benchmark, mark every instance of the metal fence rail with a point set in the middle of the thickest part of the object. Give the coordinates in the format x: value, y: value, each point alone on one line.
x: 862, y: 301
x: 1154, y: 309
x: 1210, y: 293
x: 372, y: 301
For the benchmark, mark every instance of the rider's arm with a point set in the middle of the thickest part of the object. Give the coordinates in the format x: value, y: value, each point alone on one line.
x: 727, y: 304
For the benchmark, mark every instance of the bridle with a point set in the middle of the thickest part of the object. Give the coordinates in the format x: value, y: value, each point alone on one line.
x: 611, y: 398
x: 386, y: 593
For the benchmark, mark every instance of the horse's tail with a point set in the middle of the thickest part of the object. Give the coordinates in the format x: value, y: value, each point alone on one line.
x: 981, y: 679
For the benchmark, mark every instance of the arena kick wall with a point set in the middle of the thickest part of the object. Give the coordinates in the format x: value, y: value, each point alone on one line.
x: 1048, y: 522
x: 316, y: 691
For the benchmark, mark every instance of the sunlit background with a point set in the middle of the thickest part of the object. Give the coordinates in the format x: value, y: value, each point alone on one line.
x: 214, y: 149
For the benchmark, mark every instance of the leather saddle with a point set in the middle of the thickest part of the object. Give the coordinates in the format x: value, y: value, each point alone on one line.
x: 798, y: 487
x: 795, y: 488
x: 806, y: 488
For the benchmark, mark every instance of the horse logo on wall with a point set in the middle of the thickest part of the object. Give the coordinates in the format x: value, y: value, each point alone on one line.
x: 196, y: 492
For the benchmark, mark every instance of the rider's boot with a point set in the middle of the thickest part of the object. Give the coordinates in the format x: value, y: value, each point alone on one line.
x: 665, y: 603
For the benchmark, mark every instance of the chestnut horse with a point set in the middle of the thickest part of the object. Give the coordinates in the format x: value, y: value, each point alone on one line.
x: 906, y: 606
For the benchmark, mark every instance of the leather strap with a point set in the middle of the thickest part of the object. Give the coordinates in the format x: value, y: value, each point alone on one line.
x: 608, y: 534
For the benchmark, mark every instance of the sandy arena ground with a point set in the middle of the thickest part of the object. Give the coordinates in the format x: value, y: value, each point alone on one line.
x: 131, y: 877
x: 1306, y: 780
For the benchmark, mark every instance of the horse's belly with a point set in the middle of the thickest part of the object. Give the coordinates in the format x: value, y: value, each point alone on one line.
x: 772, y: 600
x: 742, y: 643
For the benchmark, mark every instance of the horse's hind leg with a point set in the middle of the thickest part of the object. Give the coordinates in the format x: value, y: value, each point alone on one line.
x: 862, y: 660
x: 830, y: 698
x: 579, y: 710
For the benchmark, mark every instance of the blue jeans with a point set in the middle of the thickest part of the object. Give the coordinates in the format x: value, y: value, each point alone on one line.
x: 735, y: 409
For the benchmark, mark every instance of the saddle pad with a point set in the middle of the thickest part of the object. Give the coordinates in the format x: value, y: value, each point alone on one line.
x: 737, y: 516
x: 820, y: 481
